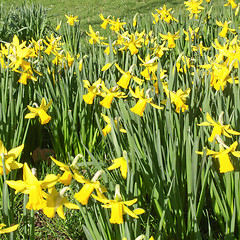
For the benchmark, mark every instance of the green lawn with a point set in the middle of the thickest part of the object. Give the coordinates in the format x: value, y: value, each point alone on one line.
x: 88, y: 11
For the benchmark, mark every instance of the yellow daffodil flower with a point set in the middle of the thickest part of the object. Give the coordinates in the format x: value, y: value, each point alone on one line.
x: 163, y: 14
x: 225, y: 28
x: 149, y: 38
x: 9, y: 229
x: 53, y: 44
x: 159, y: 49
x: 192, y: 33
x: 222, y: 155
x: 95, y: 37
x: 220, y: 76
x: 17, y: 53
x: 118, y: 206
x: 185, y: 61
x: 218, y: 128
x: 108, y: 128
x: 69, y: 59
x: 110, y: 94
x: 55, y: 202
x: 93, y: 90
x: 178, y: 98
x: 200, y: 48
x: 9, y: 157
x: 83, y: 195
x: 133, y: 43
x: 71, y: 19
x: 126, y: 76
x: 142, y: 102
x: 69, y: 171
x: 105, y: 21
x: 30, y: 185
x: 116, y: 25
x: 150, y: 67
x: 170, y: 38
x: 120, y: 163
x: 26, y: 74
x: 232, y: 3
x: 40, y: 111
x: 193, y: 6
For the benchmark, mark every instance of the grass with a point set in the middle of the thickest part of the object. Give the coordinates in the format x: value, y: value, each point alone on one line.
x: 88, y: 11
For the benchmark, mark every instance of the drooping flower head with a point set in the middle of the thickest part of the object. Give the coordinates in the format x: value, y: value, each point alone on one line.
x: 218, y: 128
x: 40, y: 111
x: 225, y: 164
x: 69, y: 171
x: 120, y: 163
x: 30, y: 185
x: 89, y: 185
x: 55, y: 202
x: 118, y: 206
x: 9, y: 157
x: 108, y: 127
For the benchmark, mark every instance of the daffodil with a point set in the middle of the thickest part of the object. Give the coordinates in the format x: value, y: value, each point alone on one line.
x: 116, y: 25
x: 118, y: 206
x: 26, y: 74
x: 69, y: 59
x: 71, y: 19
x: 200, y: 48
x: 17, y: 53
x: 150, y: 67
x: 40, y: 111
x: 108, y: 127
x: 133, y: 43
x: 30, y: 185
x: 183, y: 63
x: 193, y: 6
x: 89, y: 185
x: 220, y: 75
x: 55, y: 202
x: 120, y: 163
x: 192, y: 33
x: 224, y: 160
x: 105, y: 21
x: 225, y: 28
x: 170, y: 38
x: 163, y: 14
x: 218, y: 128
x: 159, y: 49
x: 53, y: 44
x: 95, y: 37
x: 142, y: 102
x: 126, y: 77
x: 9, y: 157
x: 9, y: 229
x: 110, y: 94
x: 232, y: 3
x: 93, y: 90
x: 178, y: 98
x: 69, y: 171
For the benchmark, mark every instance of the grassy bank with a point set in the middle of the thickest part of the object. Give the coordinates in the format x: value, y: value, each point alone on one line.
x: 88, y: 11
